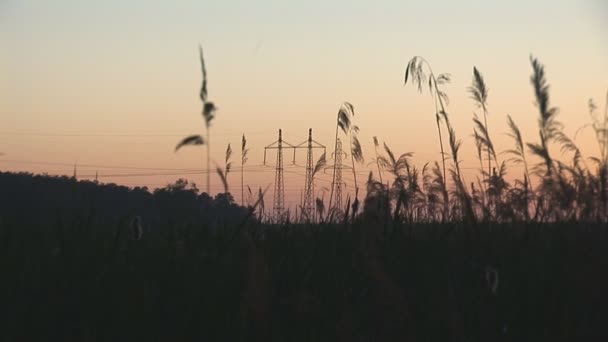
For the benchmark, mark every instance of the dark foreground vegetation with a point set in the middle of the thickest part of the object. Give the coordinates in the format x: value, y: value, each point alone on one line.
x: 369, y: 279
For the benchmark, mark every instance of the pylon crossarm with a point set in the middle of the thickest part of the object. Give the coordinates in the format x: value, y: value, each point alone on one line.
x: 318, y: 144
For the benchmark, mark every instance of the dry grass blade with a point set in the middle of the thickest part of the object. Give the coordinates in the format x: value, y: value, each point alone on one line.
x: 190, y: 140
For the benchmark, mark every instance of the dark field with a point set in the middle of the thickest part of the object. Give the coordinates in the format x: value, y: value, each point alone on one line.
x: 361, y: 281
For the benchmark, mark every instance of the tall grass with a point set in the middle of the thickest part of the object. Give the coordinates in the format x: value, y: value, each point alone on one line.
x: 415, y: 71
x: 549, y: 190
x: 208, y: 114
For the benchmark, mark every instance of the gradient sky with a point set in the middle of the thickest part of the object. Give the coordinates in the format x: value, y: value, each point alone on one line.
x: 114, y: 84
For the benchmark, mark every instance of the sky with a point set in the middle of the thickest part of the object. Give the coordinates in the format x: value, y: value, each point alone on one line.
x: 112, y: 86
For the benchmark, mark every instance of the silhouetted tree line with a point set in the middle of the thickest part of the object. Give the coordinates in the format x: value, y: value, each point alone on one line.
x: 26, y: 198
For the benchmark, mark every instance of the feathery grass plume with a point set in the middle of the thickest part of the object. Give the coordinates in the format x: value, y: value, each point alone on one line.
x: 321, y: 162
x: 478, y: 89
x: 228, y: 154
x: 343, y: 122
x: 479, y: 93
x: 549, y: 129
x: 415, y: 72
x: 547, y: 122
x: 244, y: 151
x: 227, y: 161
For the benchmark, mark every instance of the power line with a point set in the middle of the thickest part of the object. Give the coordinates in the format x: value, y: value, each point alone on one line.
x: 116, y: 135
x: 100, y: 166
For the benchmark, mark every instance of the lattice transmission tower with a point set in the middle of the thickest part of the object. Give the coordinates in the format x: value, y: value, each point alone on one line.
x: 335, y: 201
x: 308, y: 202
x: 278, y: 203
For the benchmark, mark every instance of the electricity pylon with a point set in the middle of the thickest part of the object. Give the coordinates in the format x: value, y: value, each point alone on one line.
x: 335, y: 204
x: 278, y: 204
x: 308, y: 204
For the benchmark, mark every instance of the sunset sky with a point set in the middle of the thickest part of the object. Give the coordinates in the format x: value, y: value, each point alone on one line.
x: 113, y: 85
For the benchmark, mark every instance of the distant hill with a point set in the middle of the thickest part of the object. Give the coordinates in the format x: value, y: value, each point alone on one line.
x: 26, y: 198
